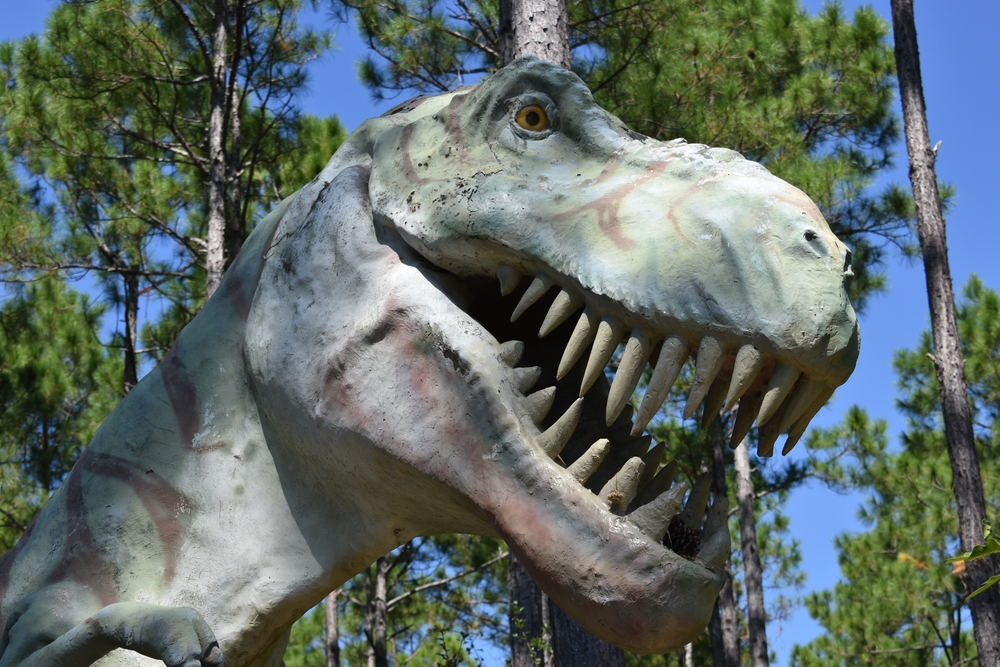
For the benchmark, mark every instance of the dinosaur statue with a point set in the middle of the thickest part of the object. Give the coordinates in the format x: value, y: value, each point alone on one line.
x: 366, y: 373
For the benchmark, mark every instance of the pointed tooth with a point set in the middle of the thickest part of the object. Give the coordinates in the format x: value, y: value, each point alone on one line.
x: 653, y: 519
x: 536, y: 290
x: 637, y: 351
x: 565, y: 305
x: 806, y: 391
x: 711, y: 356
x: 587, y: 465
x: 661, y: 482
x: 538, y: 404
x: 509, y: 277
x: 673, y: 354
x: 716, y: 395
x: 800, y: 425
x: 526, y: 378
x: 623, y: 485
x: 511, y: 352
x: 579, y: 341
x: 768, y: 434
x: 718, y: 515
x: 609, y: 334
x: 652, y: 459
x: 557, y: 435
x: 716, y: 550
x: 694, y: 510
x: 749, y: 361
x: 747, y: 412
x: 781, y: 382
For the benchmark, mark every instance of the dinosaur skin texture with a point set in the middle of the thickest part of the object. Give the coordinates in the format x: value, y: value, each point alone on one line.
x: 357, y: 381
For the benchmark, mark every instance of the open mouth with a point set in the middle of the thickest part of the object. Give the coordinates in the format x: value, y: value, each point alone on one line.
x: 563, y: 344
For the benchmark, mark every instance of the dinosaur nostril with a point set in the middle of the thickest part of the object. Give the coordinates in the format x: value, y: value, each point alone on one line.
x: 810, y: 236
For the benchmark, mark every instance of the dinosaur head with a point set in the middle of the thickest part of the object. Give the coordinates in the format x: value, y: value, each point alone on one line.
x: 521, y: 235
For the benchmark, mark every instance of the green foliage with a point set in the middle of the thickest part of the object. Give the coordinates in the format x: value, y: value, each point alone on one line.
x: 110, y: 112
x: 900, y: 602
x: 57, y: 384
x: 444, y: 594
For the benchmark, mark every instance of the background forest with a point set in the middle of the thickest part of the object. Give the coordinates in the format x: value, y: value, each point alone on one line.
x: 137, y: 150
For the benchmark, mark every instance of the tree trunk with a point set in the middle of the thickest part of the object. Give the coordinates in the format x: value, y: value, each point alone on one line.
x: 527, y: 619
x: 753, y: 576
x: 236, y: 231
x: 575, y: 647
x: 536, y: 28
x: 948, y: 362
x: 131, y: 331
x: 724, y: 626
x: 217, y: 176
x: 332, y: 644
x: 378, y: 656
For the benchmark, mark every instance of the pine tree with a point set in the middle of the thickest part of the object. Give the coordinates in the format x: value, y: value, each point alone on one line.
x: 156, y: 130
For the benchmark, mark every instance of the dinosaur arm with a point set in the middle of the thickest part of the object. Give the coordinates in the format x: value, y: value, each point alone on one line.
x: 178, y: 636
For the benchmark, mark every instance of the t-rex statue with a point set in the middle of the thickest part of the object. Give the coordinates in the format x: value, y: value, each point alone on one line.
x: 364, y: 375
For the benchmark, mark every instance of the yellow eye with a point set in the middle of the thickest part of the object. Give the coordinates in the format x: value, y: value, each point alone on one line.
x: 533, y: 117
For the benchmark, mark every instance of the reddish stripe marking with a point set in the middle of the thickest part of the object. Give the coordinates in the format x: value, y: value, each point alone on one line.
x: 82, y: 561
x: 160, y: 499
x: 606, y: 206
x: 181, y: 391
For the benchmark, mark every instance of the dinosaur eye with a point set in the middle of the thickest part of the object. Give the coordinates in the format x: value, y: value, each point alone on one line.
x: 533, y: 118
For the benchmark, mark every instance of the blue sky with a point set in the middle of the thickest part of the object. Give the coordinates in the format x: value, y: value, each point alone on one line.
x: 961, y: 73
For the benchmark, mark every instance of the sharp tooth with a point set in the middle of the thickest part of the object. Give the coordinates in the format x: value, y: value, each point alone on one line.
x: 565, y: 305
x: 806, y: 391
x: 749, y: 361
x: 747, y: 412
x: 538, y: 404
x: 509, y: 278
x: 587, y: 465
x: 716, y: 395
x: 579, y: 341
x: 661, y: 482
x: 768, y: 434
x: 718, y: 515
x: 673, y: 354
x: 799, y: 427
x: 716, y: 549
x: 780, y: 384
x: 511, y: 352
x: 633, y: 362
x: 536, y: 290
x: 557, y: 435
x: 652, y: 459
x: 609, y: 334
x: 711, y: 355
x: 694, y: 510
x: 654, y: 518
x: 525, y: 378
x: 620, y: 489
